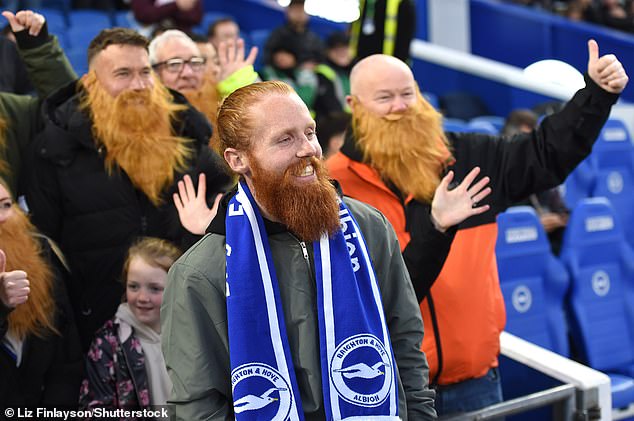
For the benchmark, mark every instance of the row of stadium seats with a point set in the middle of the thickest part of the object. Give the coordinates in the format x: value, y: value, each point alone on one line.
x: 77, y: 28
x: 587, y: 293
x: 607, y: 172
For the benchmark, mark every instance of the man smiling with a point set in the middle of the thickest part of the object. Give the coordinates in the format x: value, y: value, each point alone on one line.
x: 298, y: 303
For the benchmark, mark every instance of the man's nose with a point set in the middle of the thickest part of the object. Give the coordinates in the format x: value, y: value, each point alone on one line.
x: 399, y: 105
x: 308, y: 148
x: 139, y: 83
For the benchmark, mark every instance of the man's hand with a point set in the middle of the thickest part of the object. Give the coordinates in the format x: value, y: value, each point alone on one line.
x: 231, y: 57
x: 451, y: 207
x: 551, y: 221
x: 14, y: 285
x: 606, y: 71
x: 186, y: 5
x: 193, y: 212
x: 25, y: 20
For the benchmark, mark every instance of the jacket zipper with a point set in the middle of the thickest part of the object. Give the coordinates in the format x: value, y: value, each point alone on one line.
x: 305, y: 252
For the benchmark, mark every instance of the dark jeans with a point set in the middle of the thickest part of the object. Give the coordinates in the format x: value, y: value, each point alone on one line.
x: 469, y: 395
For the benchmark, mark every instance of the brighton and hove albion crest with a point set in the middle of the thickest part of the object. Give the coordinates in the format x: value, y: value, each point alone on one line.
x: 260, y: 387
x: 361, y: 370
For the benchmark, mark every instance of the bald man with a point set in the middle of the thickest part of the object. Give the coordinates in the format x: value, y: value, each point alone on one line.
x: 394, y: 158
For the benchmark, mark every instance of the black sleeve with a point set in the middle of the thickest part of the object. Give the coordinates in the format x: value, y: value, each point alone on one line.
x: 537, y: 161
x: 43, y: 196
x: 64, y: 376
x: 406, y: 29
x: 427, y: 250
x: 326, y: 101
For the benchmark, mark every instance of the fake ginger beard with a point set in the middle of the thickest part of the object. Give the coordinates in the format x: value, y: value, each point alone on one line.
x: 308, y: 210
x: 23, y: 252
x: 408, y: 149
x: 207, y: 102
x: 136, y: 129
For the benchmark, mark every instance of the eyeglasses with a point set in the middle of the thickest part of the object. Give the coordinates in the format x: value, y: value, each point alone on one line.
x: 176, y: 65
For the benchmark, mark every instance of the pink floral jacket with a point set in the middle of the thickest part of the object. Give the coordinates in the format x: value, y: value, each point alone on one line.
x: 115, y: 372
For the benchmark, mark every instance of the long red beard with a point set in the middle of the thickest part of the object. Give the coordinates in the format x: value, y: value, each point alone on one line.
x: 407, y: 149
x: 136, y: 129
x: 308, y: 210
x: 23, y: 252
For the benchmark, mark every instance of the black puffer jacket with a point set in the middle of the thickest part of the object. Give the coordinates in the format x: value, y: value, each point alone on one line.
x: 95, y: 216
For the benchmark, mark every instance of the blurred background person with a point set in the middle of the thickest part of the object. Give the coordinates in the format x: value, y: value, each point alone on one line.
x: 371, y: 33
x: 549, y: 205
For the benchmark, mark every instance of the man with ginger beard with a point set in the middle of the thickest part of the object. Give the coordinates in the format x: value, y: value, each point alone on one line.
x: 289, y: 276
x: 393, y: 159
x: 113, y: 148
x: 40, y: 355
x: 204, y: 79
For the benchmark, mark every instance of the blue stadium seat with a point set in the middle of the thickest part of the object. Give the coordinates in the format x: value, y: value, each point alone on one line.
x: 612, y: 157
x: 454, y: 125
x: 533, y: 281
x: 89, y: 19
x: 258, y: 39
x: 125, y: 19
x: 617, y: 185
x: 594, y: 251
x: 613, y: 147
x: 208, y: 19
x: 496, y: 121
x: 79, y: 37
x: 78, y: 59
x: 533, y: 284
x: 431, y: 98
x: 481, y: 126
x: 579, y: 184
x: 55, y: 19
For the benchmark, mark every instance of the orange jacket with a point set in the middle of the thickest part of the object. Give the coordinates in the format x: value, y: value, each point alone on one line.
x: 471, y: 315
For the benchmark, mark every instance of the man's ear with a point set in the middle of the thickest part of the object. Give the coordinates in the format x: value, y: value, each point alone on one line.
x: 237, y: 160
x: 350, y: 101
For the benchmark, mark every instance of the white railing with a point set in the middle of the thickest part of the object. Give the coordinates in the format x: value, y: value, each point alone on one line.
x: 488, y: 69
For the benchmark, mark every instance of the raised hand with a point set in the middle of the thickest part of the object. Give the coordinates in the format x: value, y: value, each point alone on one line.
x: 14, y: 285
x: 186, y: 5
x: 193, y: 212
x: 606, y: 71
x: 25, y: 20
x: 451, y: 207
x: 231, y: 57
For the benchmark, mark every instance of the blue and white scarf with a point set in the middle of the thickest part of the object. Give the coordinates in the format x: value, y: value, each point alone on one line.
x: 357, y: 363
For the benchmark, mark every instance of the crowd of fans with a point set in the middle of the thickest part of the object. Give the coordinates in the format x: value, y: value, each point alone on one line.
x: 126, y: 167
x: 615, y: 14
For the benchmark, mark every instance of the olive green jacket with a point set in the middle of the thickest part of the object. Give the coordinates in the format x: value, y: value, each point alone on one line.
x: 194, y: 321
x: 48, y: 70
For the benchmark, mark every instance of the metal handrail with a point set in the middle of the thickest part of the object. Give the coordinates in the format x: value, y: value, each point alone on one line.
x: 565, y: 393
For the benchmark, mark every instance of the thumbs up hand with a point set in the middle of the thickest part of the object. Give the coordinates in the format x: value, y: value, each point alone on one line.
x: 606, y: 71
x: 14, y: 286
x: 25, y: 20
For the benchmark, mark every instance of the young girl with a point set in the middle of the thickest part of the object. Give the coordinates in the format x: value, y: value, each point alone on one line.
x: 124, y: 365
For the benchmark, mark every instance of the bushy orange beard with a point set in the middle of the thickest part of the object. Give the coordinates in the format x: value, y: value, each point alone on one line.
x: 136, y: 129
x: 207, y: 102
x: 36, y: 315
x: 307, y: 210
x: 407, y: 149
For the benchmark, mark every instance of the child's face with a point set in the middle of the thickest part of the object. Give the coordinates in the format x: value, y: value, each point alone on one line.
x: 144, y: 291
